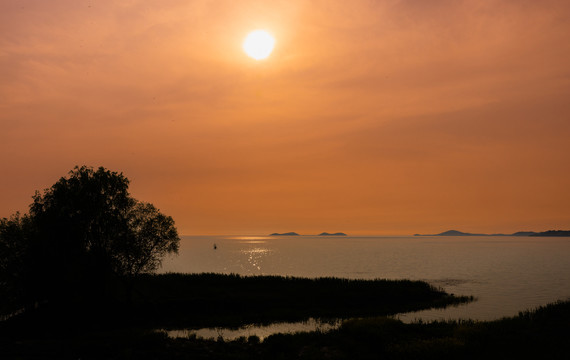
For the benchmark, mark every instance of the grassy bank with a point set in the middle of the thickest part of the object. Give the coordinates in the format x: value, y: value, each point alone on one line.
x: 185, y: 301
x: 232, y: 300
x: 538, y: 334
x: 111, y: 327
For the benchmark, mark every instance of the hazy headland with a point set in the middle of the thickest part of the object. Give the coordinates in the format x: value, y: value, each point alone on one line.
x: 561, y: 233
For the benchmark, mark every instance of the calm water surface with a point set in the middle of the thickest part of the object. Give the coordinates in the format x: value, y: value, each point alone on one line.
x: 505, y: 274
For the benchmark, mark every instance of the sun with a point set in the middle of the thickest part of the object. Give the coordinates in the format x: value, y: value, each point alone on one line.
x: 258, y: 44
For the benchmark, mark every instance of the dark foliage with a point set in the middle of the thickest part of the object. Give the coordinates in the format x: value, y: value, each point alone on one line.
x: 539, y: 334
x: 203, y: 300
x: 231, y: 300
x: 542, y: 334
x: 15, y: 234
x: 82, y: 237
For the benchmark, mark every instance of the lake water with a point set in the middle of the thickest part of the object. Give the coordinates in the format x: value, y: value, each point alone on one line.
x: 506, y: 274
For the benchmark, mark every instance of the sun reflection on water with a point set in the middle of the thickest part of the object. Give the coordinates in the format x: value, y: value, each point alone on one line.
x: 255, y: 256
x: 248, y: 239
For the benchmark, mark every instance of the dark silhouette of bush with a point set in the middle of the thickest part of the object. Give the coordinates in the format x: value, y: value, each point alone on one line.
x: 83, y: 237
x: 15, y: 233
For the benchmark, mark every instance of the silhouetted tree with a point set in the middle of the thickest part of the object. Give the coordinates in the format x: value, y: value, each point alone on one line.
x: 150, y: 236
x: 76, y: 221
x: 88, y: 231
x: 15, y: 234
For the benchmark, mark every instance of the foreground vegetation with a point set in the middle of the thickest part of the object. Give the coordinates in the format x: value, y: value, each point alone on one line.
x: 83, y: 326
x: 175, y: 300
x: 201, y: 300
x: 541, y: 334
x: 82, y: 238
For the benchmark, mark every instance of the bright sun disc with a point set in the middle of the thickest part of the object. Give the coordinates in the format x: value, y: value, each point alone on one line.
x: 258, y: 44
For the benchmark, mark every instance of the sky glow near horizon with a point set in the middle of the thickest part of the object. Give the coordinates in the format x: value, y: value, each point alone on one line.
x: 388, y: 117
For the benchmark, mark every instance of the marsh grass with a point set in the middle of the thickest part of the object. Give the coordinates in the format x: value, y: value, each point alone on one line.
x: 542, y: 333
x: 232, y: 300
x: 215, y: 300
x: 113, y: 327
x: 539, y: 334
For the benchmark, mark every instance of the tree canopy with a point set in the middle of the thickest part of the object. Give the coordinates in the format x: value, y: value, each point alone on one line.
x: 14, y: 246
x: 80, y: 232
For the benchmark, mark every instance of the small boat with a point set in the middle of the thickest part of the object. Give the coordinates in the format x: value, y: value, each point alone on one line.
x: 215, y: 247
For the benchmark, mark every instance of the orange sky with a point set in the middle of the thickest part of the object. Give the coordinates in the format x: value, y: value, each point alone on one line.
x: 370, y: 117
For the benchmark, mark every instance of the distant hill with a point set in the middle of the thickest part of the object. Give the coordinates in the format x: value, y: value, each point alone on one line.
x: 285, y: 234
x: 519, y: 233
x: 553, y: 233
x: 452, y: 233
x: 524, y: 233
x: 335, y: 234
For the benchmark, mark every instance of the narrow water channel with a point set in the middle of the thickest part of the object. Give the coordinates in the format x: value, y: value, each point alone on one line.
x: 261, y: 331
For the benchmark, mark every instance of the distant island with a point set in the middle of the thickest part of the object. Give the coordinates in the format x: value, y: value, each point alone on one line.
x: 553, y: 233
x: 524, y: 233
x: 451, y: 233
x: 335, y: 234
x: 519, y: 233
